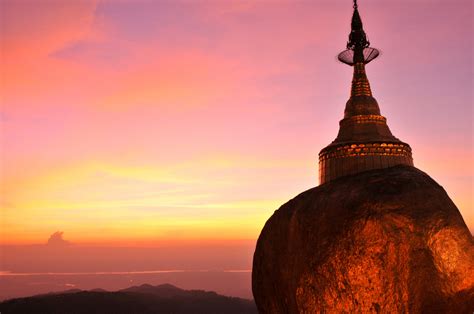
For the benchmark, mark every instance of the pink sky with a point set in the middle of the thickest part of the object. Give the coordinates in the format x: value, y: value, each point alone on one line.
x: 133, y: 123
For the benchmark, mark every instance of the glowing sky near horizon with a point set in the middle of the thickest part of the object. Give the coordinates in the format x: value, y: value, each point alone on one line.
x: 161, y: 121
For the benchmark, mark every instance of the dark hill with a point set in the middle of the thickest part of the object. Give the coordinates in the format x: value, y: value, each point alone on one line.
x: 164, y: 291
x: 138, y: 299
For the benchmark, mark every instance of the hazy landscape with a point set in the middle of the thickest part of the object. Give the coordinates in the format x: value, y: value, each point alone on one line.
x: 60, y: 265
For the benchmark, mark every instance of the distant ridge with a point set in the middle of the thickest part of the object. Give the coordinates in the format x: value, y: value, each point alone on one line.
x: 164, y: 290
x: 144, y: 299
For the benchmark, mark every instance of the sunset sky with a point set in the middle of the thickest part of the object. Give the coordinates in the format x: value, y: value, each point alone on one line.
x: 158, y: 122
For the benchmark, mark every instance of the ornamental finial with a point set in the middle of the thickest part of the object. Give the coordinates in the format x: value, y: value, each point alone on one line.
x: 358, y: 50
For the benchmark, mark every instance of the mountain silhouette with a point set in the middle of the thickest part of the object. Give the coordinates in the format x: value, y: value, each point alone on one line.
x: 144, y: 299
x: 164, y: 291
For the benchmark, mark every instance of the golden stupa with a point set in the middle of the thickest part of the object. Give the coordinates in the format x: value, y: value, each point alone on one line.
x: 364, y: 141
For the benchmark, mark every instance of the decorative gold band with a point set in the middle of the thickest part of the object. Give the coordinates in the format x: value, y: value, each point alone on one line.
x: 362, y: 119
x: 354, y: 158
x: 380, y: 149
x: 360, y: 83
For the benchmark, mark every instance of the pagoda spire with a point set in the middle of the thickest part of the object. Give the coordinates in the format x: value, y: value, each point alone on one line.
x: 357, y: 38
x: 364, y: 141
x: 358, y: 54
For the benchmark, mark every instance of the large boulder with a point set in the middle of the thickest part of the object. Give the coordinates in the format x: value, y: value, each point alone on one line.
x: 387, y: 240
